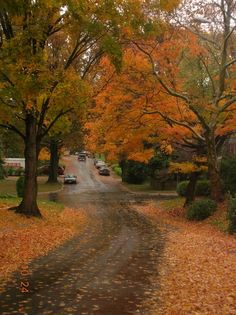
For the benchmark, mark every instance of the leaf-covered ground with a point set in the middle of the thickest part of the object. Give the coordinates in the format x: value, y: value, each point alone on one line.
x: 22, y: 239
x: 198, y: 271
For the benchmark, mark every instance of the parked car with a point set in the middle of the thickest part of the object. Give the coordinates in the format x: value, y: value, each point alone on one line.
x: 95, y: 161
x: 100, y: 164
x: 70, y: 179
x: 104, y: 171
x: 44, y: 170
x: 82, y: 157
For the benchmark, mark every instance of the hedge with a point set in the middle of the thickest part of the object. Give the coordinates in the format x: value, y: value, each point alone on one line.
x: 202, y: 188
x: 232, y: 216
x: 201, y: 209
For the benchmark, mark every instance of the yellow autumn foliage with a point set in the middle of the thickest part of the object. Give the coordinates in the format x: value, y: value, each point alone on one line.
x: 44, y: 155
x: 166, y: 148
x: 186, y: 168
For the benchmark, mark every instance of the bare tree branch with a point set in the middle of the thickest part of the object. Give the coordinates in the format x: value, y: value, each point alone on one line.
x: 164, y: 85
x: 227, y: 104
x: 209, y: 75
x: 59, y: 115
x: 13, y: 128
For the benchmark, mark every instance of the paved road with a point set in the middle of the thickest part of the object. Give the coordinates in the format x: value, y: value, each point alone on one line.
x: 107, y: 270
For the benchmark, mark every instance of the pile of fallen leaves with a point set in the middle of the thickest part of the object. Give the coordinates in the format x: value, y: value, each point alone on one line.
x: 197, y: 272
x: 22, y: 239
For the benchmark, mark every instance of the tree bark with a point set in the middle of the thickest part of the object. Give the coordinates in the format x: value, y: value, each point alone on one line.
x: 190, y: 193
x: 213, y: 170
x: 28, y: 205
x: 54, y: 160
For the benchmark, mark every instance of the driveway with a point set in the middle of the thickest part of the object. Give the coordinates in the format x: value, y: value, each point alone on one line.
x: 107, y: 270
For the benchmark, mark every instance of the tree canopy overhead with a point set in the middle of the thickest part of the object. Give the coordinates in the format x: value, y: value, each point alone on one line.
x: 48, y: 50
x: 184, y: 82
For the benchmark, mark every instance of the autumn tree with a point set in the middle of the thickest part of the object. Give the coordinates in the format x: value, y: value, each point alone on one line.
x: 184, y: 80
x: 11, y: 144
x: 47, y: 51
x: 74, y: 139
x: 118, y: 125
x: 199, y: 72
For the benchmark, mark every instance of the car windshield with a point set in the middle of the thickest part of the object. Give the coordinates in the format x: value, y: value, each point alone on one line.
x: 70, y: 176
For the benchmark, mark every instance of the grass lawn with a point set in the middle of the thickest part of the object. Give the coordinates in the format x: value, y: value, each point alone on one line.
x: 145, y: 187
x: 10, y: 201
x: 8, y: 186
x: 141, y: 187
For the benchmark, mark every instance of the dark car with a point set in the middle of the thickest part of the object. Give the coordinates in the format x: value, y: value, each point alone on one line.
x: 104, y: 171
x: 82, y: 157
x: 70, y: 179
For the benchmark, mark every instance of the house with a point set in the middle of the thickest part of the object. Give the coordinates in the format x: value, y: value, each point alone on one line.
x: 14, y: 162
x: 230, y: 147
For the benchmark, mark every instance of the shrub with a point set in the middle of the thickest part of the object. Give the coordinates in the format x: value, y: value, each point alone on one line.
x: 21, y: 171
x: 117, y: 170
x: 202, y: 188
x: 20, y: 183
x: 133, y: 172
x: 182, y: 188
x: 228, y: 174
x: 232, y: 216
x: 14, y: 171
x: 10, y: 171
x: 201, y: 209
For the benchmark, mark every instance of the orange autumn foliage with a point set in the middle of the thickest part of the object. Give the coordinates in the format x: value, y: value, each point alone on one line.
x: 133, y: 108
x: 118, y: 125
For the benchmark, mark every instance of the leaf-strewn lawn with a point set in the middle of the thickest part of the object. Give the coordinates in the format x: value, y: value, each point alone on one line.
x: 22, y: 239
x: 198, y: 269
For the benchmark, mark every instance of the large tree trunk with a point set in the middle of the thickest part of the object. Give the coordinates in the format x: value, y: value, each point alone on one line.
x: 213, y: 170
x: 54, y: 159
x: 28, y: 205
x: 190, y: 193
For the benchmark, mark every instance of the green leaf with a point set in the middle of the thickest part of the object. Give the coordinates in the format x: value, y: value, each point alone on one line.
x: 113, y: 49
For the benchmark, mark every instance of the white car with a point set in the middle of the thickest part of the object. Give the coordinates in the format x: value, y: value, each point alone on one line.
x: 100, y: 163
x: 70, y: 179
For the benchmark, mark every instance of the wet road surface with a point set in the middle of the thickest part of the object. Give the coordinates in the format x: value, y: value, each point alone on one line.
x: 107, y: 270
